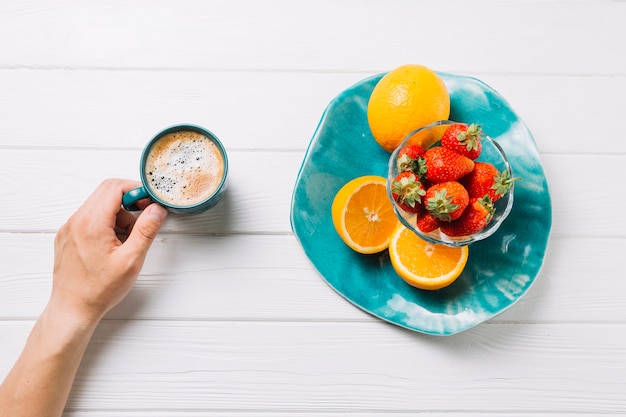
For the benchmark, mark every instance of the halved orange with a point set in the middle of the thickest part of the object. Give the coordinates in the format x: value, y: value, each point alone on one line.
x: 363, y: 215
x: 425, y: 265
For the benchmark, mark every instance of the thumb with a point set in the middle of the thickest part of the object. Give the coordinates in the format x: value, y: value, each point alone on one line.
x: 146, y: 228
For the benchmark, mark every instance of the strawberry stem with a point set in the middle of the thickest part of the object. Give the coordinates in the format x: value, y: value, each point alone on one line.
x: 503, y: 182
x: 441, y: 205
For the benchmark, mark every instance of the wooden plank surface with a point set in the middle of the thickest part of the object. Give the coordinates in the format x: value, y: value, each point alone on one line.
x: 208, y: 331
x: 333, y: 367
x: 206, y: 278
x: 352, y: 35
x: 260, y: 188
x: 123, y: 109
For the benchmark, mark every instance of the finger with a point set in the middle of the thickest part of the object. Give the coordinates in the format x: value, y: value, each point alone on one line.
x: 106, y: 200
x: 125, y: 221
x: 145, y: 230
x: 108, y: 195
x: 142, y: 204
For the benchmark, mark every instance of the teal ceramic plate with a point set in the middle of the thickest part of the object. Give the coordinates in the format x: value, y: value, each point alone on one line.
x: 500, y: 269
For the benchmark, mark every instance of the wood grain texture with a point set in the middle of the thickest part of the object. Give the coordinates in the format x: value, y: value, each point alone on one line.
x: 208, y: 278
x: 37, y: 185
x: 356, y: 35
x: 212, y: 413
x: 124, y: 109
x: 333, y: 367
x: 259, y: 182
x: 228, y: 316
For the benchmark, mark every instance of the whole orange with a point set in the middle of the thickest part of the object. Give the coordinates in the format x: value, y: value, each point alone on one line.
x: 406, y: 98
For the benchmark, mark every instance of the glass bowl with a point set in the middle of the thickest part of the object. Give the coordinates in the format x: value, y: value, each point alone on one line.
x: 492, y: 152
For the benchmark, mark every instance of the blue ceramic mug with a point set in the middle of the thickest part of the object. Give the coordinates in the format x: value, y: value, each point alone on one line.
x: 183, y: 168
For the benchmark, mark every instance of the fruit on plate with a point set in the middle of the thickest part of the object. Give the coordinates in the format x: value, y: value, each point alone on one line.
x: 426, y: 222
x: 404, y: 99
x: 460, y: 189
x: 408, y: 191
x: 443, y: 164
x: 475, y: 217
x: 463, y: 139
x: 485, y: 179
x: 363, y: 215
x: 446, y: 201
x: 425, y: 265
x: 410, y: 158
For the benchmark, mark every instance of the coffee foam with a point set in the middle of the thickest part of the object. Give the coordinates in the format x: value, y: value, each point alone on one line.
x: 184, y: 168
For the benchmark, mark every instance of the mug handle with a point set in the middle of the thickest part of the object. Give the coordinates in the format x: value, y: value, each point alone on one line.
x: 130, y: 199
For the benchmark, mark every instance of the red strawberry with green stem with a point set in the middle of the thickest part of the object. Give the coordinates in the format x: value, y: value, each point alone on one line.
x: 443, y: 165
x: 408, y: 191
x: 409, y: 158
x: 463, y: 139
x: 446, y: 201
x: 476, y: 216
x: 485, y: 179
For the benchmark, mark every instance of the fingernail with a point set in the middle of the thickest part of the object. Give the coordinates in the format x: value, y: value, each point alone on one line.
x: 156, y: 212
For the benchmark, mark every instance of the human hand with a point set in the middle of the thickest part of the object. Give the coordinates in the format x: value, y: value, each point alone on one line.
x: 98, y: 255
x: 100, y: 251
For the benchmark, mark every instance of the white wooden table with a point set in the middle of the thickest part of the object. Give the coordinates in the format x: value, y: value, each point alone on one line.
x: 228, y: 316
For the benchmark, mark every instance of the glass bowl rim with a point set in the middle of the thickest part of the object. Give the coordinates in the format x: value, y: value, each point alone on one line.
x: 438, y: 237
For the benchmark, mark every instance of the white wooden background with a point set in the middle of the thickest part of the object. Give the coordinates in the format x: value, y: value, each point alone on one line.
x: 228, y: 317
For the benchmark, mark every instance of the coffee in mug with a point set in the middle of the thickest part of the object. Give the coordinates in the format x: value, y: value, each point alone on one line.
x: 183, y: 168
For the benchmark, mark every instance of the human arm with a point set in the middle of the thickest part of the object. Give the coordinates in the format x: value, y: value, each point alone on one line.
x: 99, y: 253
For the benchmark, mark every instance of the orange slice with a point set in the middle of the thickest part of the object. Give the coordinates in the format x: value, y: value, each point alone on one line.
x: 423, y: 264
x: 363, y: 215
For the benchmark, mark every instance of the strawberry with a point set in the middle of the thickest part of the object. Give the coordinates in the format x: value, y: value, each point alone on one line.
x: 426, y: 222
x: 476, y: 216
x: 463, y: 139
x: 407, y: 191
x: 447, y: 200
x: 409, y: 158
x: 485, y: 179
x: 443, y: 165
